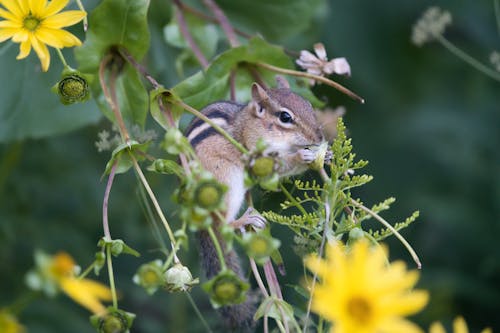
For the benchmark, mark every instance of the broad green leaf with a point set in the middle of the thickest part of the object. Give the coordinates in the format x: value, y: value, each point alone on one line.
x: 116, y: 23
x: 29, y: 109
x: 166, y: 97
x: 275, y: 19
x: 205, y: 87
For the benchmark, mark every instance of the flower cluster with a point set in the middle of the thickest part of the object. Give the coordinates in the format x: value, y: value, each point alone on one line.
x: 430, y: 25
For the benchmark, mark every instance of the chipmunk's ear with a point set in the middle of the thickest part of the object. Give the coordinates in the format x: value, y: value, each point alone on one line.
x: 258, y: 93
x: 281, y: 82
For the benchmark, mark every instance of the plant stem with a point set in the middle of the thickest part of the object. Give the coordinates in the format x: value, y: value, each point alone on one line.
x: 219, y: 129
x: 61, y: 56
x: 256, y: 274
x: 86, y: 271
x: 223, y: 22
x: 85, y: 20
x: 322, y: 79
x: 198, y: 313
x: 292, y: 199
x: 467, y: 58
x: 220, y: 254
x: 154, y: 200
x: 187, y: 35
x: 111, y: 276
x: 111, y: 96
x: 391, y: 228
x: 105, y: 224
x: 140, y: 68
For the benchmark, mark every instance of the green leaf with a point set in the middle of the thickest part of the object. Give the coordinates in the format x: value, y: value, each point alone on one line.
x: 167, y: 98
x: 205, y: 87
x: 113, y: 24
x: 122, y: 156
x: 275, y: 19
x: 28, y: 108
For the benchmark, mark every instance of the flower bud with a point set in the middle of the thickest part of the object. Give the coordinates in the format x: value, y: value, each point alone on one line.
x: 209, y: 194
x: 263, y: 166
x: 259, y: 245
x: 179, y: 278
x: 73, y: 87
x: 320, y: 154
x: 356, y: 234
x: 174, y: 142
x: 115, y: 321
x: 150, y: 276
x: 226, y: 288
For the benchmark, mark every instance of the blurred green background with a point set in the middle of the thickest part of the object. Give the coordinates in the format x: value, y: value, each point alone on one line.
x: 430, y: 129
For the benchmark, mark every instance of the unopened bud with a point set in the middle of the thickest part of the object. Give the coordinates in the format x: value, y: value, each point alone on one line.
x: 179, y: 278
x: 73, y: 87
x: 263, y: 166
x: 150, y: 276
x: 209, y: 194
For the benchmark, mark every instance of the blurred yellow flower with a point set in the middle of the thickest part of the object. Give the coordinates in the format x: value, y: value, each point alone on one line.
x: 360, y: 292
x: 459, y: 326
x: 38, y: 23
x: 9, y: 323
x: 87, y: 293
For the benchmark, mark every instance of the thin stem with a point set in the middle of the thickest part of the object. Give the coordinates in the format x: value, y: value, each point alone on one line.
x: 61, y: 56
x: 86, y: 271
x: 256, y: 274
x: 105, y: 224
x: 292, y: 199
x: 187, y: 35
x: 219, y: 129
x: 140, y: 68
x: 111, y: 276
x: 281, y: 327
x: 391, y: 228
x: 223, y: 21
x: 322, y: 79
x: 220, y: 254
x: 154, y: 200
x: 85, y: 20
x: 111, y: 97
x: 496, y: 5
x: 467, y: 58
x: 198, y: 313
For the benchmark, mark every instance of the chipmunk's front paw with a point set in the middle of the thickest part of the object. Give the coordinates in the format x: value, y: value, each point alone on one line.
x: 307, y: 155
x: 250, y: 217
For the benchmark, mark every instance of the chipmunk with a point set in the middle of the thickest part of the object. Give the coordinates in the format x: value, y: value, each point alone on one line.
x: 288, y: 125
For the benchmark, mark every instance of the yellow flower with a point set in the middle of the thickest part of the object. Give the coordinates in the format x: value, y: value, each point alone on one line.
x: 9, y: 323
x: 38, y: 23
x: 459, y: 326
x: 87, y: 293
x: 360, y: 292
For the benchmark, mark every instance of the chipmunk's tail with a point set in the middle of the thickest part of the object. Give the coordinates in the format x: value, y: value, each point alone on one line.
x: 238, y: 317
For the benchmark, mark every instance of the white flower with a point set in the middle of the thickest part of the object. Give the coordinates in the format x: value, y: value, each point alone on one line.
x: 430, y: 25
x: 319, y: 65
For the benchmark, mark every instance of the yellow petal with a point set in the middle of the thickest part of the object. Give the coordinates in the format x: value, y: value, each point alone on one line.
x: 37, y: 7
x: 13, y: 7
x: 8, y: 15
x: 57, y: 38
x: 54, y: 7
x: 24, y: 6
x: 64, y: 19
x: 24, y: 50
x: 87, y: 293
x: 436, y: 328
x: 6, y: 33
x: 10, y: 24
x: 398, y: 325
x: 42, y: 52
x: 406, y: 304
x: 21, y: 35
x: 487, y: 330
x: 459, y: 325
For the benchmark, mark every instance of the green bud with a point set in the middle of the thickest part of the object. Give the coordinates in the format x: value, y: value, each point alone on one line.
x: 150, y: 276
x: 209, y: 194
x: 260, y: 246
x: 179, y: 278
x: 263, y: 166
x: 115, y: 321
x: 356, y: 234
x: 226, y: 288
x: 73, y: 87
x: 174, y: 142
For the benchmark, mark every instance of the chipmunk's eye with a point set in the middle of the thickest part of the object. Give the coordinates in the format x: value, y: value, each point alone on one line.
x: 285, y: 117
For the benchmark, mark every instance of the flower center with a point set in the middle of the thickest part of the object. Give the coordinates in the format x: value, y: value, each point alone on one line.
x: 30, y: 22
x: 359, y: 309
